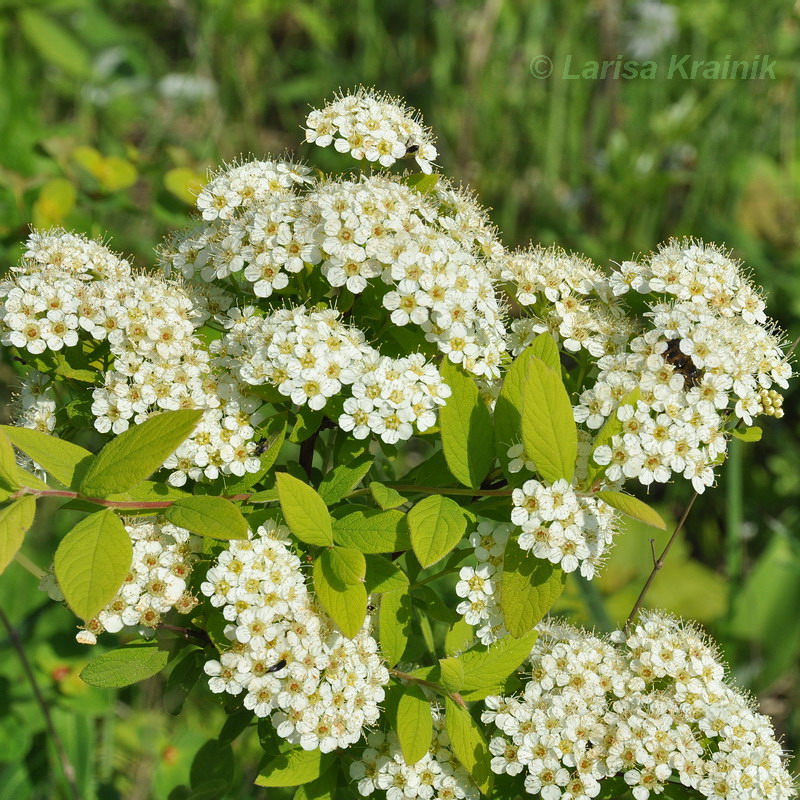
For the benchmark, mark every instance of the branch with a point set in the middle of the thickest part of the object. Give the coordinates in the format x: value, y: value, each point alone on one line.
x: 66, y: 764
x: 659, y: 562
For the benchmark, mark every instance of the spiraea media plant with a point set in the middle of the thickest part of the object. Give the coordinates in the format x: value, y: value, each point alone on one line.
x: 336, y: 389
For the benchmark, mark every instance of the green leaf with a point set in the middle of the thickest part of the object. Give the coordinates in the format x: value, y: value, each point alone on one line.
x: 307, y: 422
x: 125, y: 666
x: 633, y: 507
x: 466, y: 428
x: 92, y: 561
x: 294, y: 768
x: 341, y: 480
x: 65, y: 461
x: 15, y: 520
x: 411, y: 718
x: 751, y: 434
x: 373, y: 531
x: 149, y: 492
x: 384, y: 576
x: 508, y: 409
x: 181, y: 681
x: 432, y: 471
x: 185, y: 183
x: 437, y: 525
x: 56, y: 199
x: 323, y: 788
x: 211, y: 773
x: 304, y: 510
x: 9, y: 469
x: 422, y: 182
x: 347, y: 564
x: 549, y: 435
x: 214, y: 517
x: 394, y: 624
x: 138, y: 452
x: 468, y: 745
x: 31, y: 481
x: 54, y: 42
x: 458, y: 637
x: 486, y: 669
x: 528, y: 589
x: 452, y: 673
x: 345, y: 604
x: 385, y: 496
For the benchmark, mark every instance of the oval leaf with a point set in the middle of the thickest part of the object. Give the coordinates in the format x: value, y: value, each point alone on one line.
x: 294, y: 768
x: 549, y: 435
x: 466, y: 428
x: 468, y: 744
x: 92, y: 561
x: 437, y: 525
x: 138, y: 452
x: 384, y: 576
x: 304, y: 510
x: 214, y: 517
x: 15, y: 520
x: 65, y: 461
x: 373, y: 531
x: 124, y: 666
x: 413, y: 723
x: 394, y: 624
x: 632, y: 507
x: 345, y: 604
x: 385, y: 496
x: 528, y: 589
x: 341, y: 480
x: 347, y: 564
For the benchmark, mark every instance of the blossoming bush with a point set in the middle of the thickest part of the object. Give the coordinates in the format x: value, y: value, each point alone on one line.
x: 336, y: 389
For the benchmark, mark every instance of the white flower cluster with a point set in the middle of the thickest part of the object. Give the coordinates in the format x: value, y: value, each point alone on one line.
x: 567, y: 296
x: 310, y: 357
x: 708, y: 356
x: 373, y: 126
x: 36, y: 403
x: 562, y: 526
x: 651, y: 706
x: 157, y: 581
x: 436, y: 776
x: 319, y: 688
x: 70, y: 292
x: 479, y: 586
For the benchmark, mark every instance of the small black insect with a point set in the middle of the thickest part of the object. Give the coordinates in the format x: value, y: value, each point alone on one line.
x: 370, y: 608
x: 411, y: 149
x: 277, y: 667
x: 682, y: 363
x: 261, y: 446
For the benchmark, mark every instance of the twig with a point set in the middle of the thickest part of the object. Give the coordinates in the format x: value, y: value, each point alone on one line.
x: 307, y: 453
x: 659, y: 563
x: 66, y: 764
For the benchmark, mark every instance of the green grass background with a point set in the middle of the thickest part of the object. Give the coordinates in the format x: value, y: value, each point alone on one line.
x: 92, y: 139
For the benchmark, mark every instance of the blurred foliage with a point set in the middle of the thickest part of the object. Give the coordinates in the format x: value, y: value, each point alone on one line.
x: 111, y: 113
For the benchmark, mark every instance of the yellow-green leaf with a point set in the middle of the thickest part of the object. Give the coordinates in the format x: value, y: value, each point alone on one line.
x: 347, y: 564
x: 385, y: 496
x: 468, y: 744
x: 65, y: 461
x: 549, y: 435
x: 15, y: 520
x: 54, y: 42
x: 413, y: 722
x: 751, y: 434
x: 138, y: 452
x: 125, y: 666
x: 344, y: 603
x: 185, y: 183
x: 437, y: 525
x: 394, y: 624
x: 373, y: 531
x: 294, y: 768
x: 632, y: 507
x: 528, y: 589
x: 304, y: 510
x: 206, y: 515
x: 9, y: 469
x: 56, y: 199
x: 466, y: 428
x: 92, y: 562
